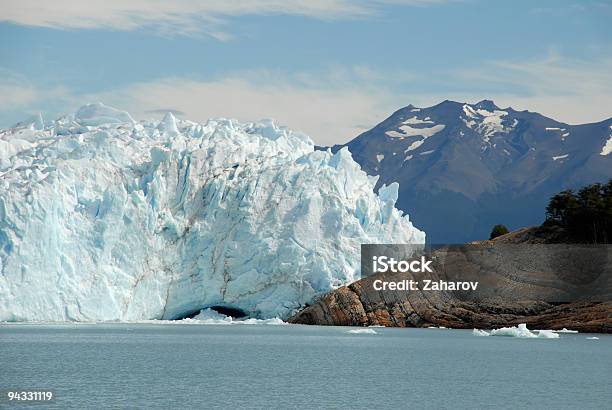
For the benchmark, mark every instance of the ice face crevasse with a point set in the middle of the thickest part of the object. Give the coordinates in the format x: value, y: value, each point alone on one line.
x: 106, y: 218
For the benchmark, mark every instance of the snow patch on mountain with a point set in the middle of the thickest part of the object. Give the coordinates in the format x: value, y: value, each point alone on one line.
x: 560, y: 157
x: 426, y: 132
x: 562, y: 131
x: 607, y: 148
x: 106, y: 218
x: 406, y: 129
x: 415, y: 120
x: 487, y: 123
x: 414, y: 145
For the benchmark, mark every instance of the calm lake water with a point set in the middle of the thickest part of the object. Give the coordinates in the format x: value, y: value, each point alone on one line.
x: 291, y: 366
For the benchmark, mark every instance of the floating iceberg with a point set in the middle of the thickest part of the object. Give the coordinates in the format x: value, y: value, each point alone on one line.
x: 212, y: 317
x: 105, y: 218
x: 547, y: 334
x: 565, y: 330
x: 362, y: 331
x: 517, y: 331
x: 479, y: 332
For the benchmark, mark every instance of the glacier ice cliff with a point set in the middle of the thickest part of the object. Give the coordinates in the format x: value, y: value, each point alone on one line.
x: 106, y: 218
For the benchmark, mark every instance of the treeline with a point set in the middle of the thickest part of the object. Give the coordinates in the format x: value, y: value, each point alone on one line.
x: 585, y: 215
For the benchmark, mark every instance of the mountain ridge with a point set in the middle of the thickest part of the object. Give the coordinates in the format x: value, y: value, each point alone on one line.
x: 464, y: 167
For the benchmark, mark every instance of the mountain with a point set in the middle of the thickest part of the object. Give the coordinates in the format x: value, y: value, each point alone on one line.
x: 106, y: 218
x: 463, y: 168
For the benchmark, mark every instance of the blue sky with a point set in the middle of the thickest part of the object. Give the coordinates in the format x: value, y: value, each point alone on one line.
x: 331, y: 68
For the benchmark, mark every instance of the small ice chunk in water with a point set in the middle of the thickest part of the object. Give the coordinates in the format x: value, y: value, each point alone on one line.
x: 362, y: 331
x: 478, y: 332
x: 547, y: 334
x: 212, y: 316
x: 565, y: 330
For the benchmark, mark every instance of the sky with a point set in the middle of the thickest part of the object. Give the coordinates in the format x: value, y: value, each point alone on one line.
x: 329, y: 68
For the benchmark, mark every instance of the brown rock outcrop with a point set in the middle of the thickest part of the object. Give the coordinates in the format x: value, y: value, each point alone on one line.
x: 536, y: 286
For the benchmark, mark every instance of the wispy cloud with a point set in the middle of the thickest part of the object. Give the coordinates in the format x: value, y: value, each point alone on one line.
x: 331, y: 109
x: 570, y: 90
x: 179, y: 17
x: 159, y: 111
x: 19, y: 93
x: 331, y: 114
x: 336, y: 105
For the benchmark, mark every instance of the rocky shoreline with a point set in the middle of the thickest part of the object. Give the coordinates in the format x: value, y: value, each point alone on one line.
x: 360, y: 304
x: 353, y: 306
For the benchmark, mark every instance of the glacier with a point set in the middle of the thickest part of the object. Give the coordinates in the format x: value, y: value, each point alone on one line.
x: 105, y: 218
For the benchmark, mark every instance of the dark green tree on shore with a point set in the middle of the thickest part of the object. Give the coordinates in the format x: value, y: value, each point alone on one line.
x: 586, y: 215
x: 498, y: 230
